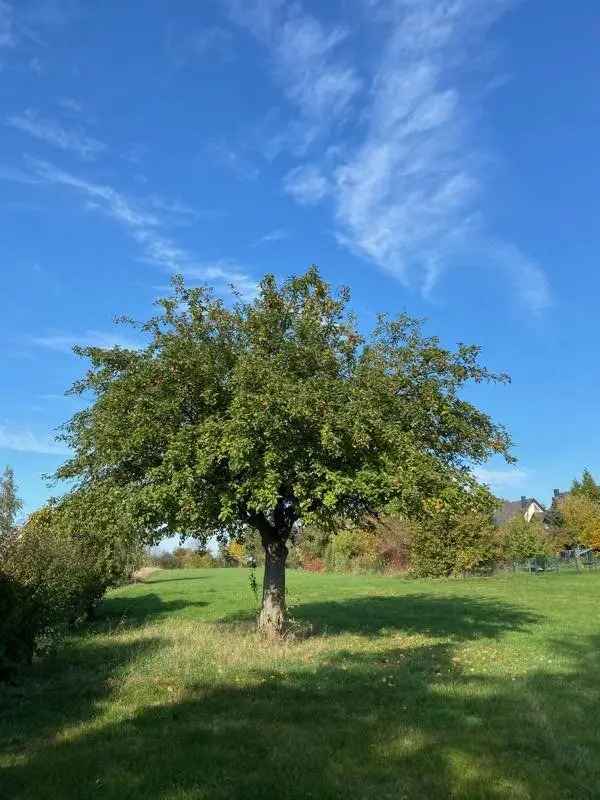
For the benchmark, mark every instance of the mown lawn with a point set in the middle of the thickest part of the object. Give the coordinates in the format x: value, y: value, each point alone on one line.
x: 406, y: 689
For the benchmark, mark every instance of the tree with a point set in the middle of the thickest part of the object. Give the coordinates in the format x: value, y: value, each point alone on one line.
x: 10, y: 504
x: 454, y: 544
x: 581, y: 517
x: 521, y: 539
x: 272, y: 412
x: 586, y: 487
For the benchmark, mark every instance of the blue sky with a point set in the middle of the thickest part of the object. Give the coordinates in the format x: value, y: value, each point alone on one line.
x: 440, y: 158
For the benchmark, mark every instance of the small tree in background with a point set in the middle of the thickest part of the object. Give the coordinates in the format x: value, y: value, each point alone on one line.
x: 273, y: 412
x: 521, y: 539
x: 236, y: 553
x: 10, y: 504
x: 455, y: 544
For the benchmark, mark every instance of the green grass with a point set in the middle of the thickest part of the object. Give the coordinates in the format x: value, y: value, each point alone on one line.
x: 486, y: 688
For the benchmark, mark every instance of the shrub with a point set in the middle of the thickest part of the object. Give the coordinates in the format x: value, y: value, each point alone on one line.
x: 164, y: 560
x: 183, y: 558
x: 354, y: 548
x: 314, y: 565
x: 310, y: 546
x: 235, y: 554
x: 19, y: 622
x: 393, y: 543
x: 44, y: 588
x: 382, y: 545
x: 447, y: 544
x: 200, y: 560
x: 52, y: 575
x: 520, y: 539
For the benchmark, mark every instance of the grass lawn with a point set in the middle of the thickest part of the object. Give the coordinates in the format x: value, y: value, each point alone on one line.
x: 486, y: 688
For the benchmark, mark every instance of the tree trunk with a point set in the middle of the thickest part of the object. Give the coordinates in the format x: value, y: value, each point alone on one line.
x: 272, y: 619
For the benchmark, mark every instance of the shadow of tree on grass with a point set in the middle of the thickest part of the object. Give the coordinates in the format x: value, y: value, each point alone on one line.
x: 462, y: 618
x: 66, y: 688
x: 139, y: 609
x: 382, y: 723
x: 394, y: 724
x: 151, y: 580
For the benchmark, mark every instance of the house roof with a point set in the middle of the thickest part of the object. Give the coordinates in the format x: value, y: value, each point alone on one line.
x: 512, y: 508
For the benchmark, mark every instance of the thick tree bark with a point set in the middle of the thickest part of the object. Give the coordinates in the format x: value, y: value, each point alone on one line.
x: 272, y: 619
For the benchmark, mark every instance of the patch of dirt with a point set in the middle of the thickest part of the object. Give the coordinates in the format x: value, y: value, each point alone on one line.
x: 141, y: 574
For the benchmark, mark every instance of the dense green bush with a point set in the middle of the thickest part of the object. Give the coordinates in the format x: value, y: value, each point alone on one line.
x: 354, y: 550
x: 53, y: 571
x: 382, y: 546
x: 20, y: 621
x: 447, y: 544
x: 520, y: 539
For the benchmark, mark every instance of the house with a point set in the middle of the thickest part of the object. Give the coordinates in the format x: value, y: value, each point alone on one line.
x: 527, y: 507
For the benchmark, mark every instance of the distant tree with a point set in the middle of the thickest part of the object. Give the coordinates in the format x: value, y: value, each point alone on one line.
x: 10, y: 504
x: 277, y: 411
x: 554, y: 518
x: 586, y: 487
x: 454, y: 544
x: 236, y: 553
x: 520, y: 539
x: 581, y: 517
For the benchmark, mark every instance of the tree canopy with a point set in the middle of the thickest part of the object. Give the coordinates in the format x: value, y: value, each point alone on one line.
x: 586, y: 487
x: 275, y: 412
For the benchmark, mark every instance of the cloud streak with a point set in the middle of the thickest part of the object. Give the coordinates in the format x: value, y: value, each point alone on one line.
x: 402, y: 168
x: 145, y: 226
x: 26, y: 441
x: 307, y: 63
x: 8, y: 37
x: 501, y: 479
x: 277, y: 235
x: 233, y: 162
x: 53, y: 133
x: 65, y: 342
x: 306, y: 184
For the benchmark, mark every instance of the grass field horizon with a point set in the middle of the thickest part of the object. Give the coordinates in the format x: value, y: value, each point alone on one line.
x: 482, y: 688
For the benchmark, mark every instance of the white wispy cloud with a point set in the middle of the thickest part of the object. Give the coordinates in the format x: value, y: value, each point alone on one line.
x: 277, y: 235
x: 8, y: 36
x: 407, y: 198
x: 502, y: 479
x: 225, y: 272
x: 234, y: 162
x: 402, y: 166
x: 145, y: 226
x: 174, y: 208
x: 319, y: 81
x: 114, y: 203
x: 306, y: 184
x: 65, y: 342
x: 212, y: 41
x: 53, y: 133
x: 26, y: 441
x: 70, y: 104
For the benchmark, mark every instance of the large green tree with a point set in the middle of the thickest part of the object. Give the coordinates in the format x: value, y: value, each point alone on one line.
x: 10, y: 504
x: 275, y: 413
